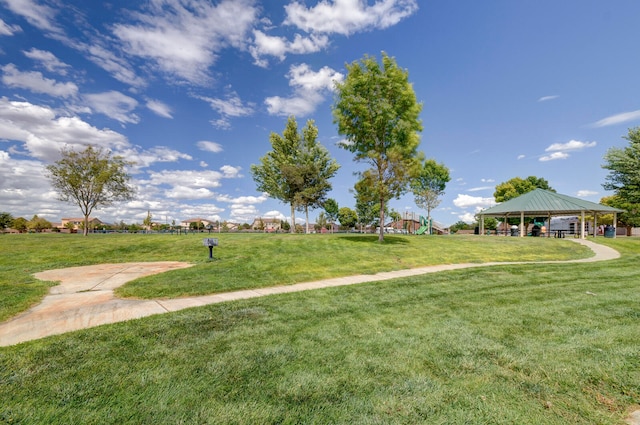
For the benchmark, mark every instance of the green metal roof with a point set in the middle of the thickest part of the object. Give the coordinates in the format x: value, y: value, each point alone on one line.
x: 542, y: 202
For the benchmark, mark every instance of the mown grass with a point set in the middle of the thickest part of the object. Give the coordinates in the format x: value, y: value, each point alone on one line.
x: 527, y: 344
x: 244, y: 261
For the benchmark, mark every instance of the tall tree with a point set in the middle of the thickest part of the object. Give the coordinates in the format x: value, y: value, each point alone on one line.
x: 631, y: 215
x: 518, y: 186
x: 624, y: 169
x: 38, y: 224
x: 331, y: 209
x: 347, y: 217
x: 428, y: 186
x: 316, y: 168
x: 297, y: 169
x: 90, y: 178
x: 6, y: 220
x: 376, y: 109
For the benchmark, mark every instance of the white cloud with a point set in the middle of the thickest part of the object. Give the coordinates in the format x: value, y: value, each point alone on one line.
x: 467, y: 217
x: 466, y: 201
x: 572, y: 145
x: 160, y: 108
x: 209, y: 146
x: 309, y: 88
x: 9, y: 30
x: 618, y: 119
x: 147, y: 157
x: 348, y: 16
x: 44, y: 133
x: 554, y: 156
x: 35, y: 82
x: 547, y: 98
x: 229, y: 107
x: 38, y: 15
x: 183, y: 38
x: 481, y: 188
x: 279, y: 47
x: 48, y: 60
x: 114, y: 105
x: 585, y: 193
x: 521, y: 157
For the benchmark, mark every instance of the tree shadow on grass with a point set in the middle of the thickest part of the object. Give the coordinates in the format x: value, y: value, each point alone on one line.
x: 373, y: 239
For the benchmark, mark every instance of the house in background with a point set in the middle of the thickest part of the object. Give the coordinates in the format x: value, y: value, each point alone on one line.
x: 75, y: 224
x: 203, y: 223
x: 266, y: 224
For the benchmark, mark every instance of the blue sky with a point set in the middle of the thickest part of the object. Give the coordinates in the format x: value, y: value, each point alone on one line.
x: 191, y: 89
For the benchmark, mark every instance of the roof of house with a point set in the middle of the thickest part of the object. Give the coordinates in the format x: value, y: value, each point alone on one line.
x: 544, y: 202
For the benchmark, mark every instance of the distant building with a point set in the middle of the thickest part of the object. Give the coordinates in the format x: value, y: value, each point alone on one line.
x: 267, y: 224
x: 78, y: 223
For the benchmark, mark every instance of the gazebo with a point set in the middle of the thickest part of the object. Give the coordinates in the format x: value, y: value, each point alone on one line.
x: 543, y: 203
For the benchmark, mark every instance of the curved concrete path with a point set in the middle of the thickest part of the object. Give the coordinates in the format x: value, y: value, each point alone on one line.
x: 84, y: 298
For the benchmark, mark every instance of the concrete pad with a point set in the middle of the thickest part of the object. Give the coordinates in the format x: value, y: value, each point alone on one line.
x: 84, y: 298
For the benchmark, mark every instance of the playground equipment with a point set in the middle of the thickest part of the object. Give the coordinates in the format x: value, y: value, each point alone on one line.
x: 425, y: 224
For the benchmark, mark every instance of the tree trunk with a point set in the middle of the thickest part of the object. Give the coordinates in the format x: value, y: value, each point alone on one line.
x: 85, y: 231
x: 293, y: 219
x: 306, y: 213
x: 381, y: 234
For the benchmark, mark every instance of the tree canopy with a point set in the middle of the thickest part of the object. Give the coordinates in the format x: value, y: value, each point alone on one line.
x: 428, y: 186
x: 297, y: 169
x: 377, y: 111
x: 624, y: 169
x: 90, y: 178
x: 518, y: 186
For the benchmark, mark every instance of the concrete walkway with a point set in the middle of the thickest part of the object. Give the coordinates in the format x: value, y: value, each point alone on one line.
x: 84, y: 298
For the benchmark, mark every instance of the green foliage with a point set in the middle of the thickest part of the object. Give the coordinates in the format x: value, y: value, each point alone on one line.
x: 428, y: 186
x: 518, y: 186
x: 347, y: 217
x: 631, y: 216
x: 20, y: 224
x: 460, y: 225
x: 38, y: 224
x: 331, y: 209
x: 91, y: 178
x: 6, y: 220
x: 624, y: 169
x: 376, y: 109
x: 297, y: 169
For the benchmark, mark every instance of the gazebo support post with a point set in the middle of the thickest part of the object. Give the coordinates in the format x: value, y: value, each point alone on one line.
x: 549, y: 225
x: 615, y: 224
x: 482, y: 224
x: 522, y: 224
x: 595, y: 224
x: 582, y: 236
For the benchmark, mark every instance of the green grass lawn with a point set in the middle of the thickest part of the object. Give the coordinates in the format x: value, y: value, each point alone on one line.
x: 526, y: 344
x: 244, y: 261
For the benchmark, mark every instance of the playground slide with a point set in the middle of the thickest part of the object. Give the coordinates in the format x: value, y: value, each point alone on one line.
x: 421, y: 230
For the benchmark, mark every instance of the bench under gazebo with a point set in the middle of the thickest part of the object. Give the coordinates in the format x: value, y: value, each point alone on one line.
x: 543, y: 203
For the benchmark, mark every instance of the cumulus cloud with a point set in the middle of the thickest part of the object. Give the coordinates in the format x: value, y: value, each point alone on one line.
x: 585, y: 193
x: 571, y: 145
x: 115, y: 105
x: 554, y: 156
x: 309, y: 89
x: 184, y: 38
x: 279, y: 47
x: 36, y: 82
x: 466, y: 201
x: 43, y: 132
x: 618, y: 119
x: 347, y: 17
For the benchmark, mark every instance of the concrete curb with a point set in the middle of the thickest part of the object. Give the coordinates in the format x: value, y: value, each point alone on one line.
x: 84, y: 298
